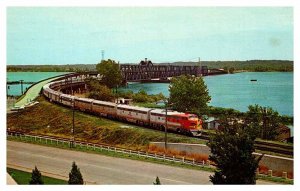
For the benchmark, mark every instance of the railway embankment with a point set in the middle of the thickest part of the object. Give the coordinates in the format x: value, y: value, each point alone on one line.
x: 54, y: 120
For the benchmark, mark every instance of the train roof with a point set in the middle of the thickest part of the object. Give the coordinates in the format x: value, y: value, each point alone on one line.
x: 104, y: 103
x: 170, y: 112
x: 67, y: 95
x: 84, y: 99
x: 163, y: 111
x: 134, y: 107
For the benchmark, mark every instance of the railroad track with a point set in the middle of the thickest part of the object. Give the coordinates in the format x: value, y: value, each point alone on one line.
x: 264, y: 146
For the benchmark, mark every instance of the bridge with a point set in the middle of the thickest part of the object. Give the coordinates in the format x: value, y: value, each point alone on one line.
x: 147, y: 71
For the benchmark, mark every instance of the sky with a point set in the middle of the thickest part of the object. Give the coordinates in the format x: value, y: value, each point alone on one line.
x: 56, y: 35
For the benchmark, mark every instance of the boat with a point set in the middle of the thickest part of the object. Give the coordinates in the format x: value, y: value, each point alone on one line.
x: 253, y: 80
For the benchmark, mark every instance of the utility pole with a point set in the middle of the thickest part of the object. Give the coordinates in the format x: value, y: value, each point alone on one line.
x: 73, y: 124
x: 166, y: 125
x: 21, y: 82
x: 7, y: 88
x: 263, y: 132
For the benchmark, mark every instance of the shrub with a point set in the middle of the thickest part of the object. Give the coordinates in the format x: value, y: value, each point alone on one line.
x: 263, y: 169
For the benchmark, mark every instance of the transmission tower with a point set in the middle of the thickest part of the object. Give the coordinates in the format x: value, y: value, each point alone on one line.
x: 102, y: 53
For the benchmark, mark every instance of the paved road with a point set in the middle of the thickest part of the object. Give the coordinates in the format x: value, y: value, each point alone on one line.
x: 98, y: 169
x: 33, y: 92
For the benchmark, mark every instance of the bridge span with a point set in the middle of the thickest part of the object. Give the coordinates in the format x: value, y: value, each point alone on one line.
x: 147, y: 71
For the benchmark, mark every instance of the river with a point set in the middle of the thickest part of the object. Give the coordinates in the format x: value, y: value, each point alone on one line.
x: 15, y: 89
x: 273, y: 89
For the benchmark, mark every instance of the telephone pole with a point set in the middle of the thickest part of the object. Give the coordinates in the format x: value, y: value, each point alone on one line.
x: 263, y: 132
x: 21, y: 82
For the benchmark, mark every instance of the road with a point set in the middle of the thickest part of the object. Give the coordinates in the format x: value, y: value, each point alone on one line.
x: 99, y: 169
x: 33, y: 92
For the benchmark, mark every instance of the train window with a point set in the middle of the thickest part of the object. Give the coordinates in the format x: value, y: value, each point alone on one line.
x: 158, y: 117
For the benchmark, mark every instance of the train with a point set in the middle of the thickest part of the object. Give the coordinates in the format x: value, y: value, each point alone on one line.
x: 183, y: 123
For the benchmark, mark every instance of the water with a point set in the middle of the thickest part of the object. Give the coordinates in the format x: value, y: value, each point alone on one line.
x: 27, y: 77
x: 273, y: 89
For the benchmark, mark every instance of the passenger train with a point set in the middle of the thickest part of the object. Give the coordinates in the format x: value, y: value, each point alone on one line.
x: 183, y: 123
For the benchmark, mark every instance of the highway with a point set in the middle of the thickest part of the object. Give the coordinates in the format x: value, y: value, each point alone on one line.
x: 99, y: 169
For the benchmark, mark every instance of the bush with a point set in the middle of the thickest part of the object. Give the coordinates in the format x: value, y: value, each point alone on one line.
x: 103, y: 94
x: 75, y: 176
x: 36, y: 177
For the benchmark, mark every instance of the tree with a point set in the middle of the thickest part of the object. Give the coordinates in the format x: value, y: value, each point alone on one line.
x: 263, y: 121
x: 189, y: 94
x: 157, y: 181
x: 110, y: 72
x: 36, y: 177
x: 75, y: 176
x: 98, y: 91
x: 231, y: 151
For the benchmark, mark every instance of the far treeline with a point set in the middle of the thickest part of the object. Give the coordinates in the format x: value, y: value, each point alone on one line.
x: 249, y: 65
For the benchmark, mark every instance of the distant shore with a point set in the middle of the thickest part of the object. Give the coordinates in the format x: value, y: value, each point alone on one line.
x: 236, y: 66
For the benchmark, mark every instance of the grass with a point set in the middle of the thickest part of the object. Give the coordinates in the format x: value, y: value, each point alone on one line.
x: 22, y: 177
x: 275, y: 179
x: 51, y: 119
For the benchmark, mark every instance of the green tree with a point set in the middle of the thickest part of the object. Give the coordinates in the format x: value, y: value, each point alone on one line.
x: 157, y: 181
x: 231, y: 70
x: 141, y: 96
x: 264, y: 121
x: 98, y: 91
x: 189, y: 94
x: 75, y: 176
x: 110, y: 72
x: 104, y: 94
x: 36, y: 177
x: 231, y: 151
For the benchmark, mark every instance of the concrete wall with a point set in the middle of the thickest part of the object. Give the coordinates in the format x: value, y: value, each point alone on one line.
x: 188, y: 148
x: 275, y: 163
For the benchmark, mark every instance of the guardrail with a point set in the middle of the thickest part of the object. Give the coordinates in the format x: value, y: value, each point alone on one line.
x: 101, y: 147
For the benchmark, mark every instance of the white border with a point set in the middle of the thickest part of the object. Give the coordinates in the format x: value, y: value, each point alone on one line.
x: 143, y: 3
